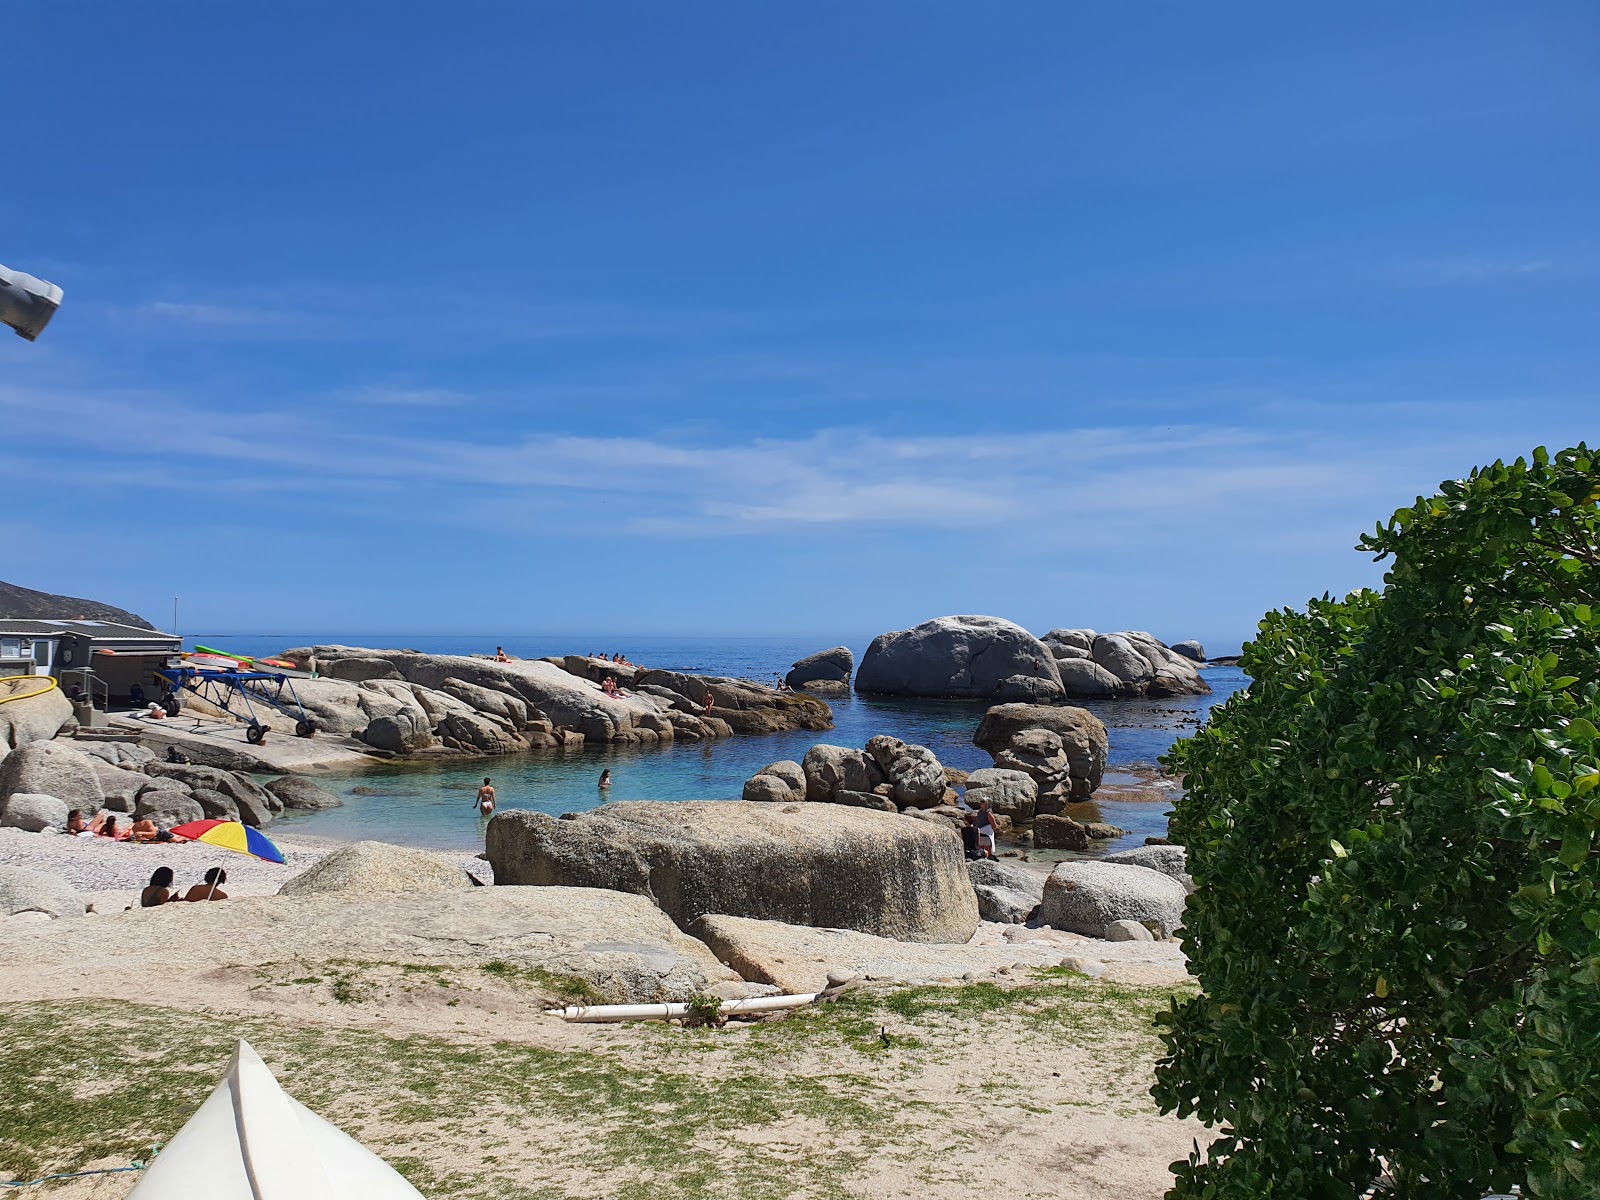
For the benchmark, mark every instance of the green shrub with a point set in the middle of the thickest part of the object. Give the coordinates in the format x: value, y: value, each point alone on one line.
x: 1393, y: 837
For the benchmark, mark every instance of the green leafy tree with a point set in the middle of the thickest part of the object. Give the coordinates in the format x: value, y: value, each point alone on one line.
x: 1393, y: 834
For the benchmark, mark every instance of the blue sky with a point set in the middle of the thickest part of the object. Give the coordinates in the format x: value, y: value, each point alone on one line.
x: 760, y: 317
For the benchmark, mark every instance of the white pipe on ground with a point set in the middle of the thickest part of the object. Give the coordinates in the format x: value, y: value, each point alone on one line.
x: 666, y: 1012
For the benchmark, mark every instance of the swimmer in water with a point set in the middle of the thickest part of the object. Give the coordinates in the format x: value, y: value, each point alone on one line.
x: 605, y: 780
x: 485, y: 798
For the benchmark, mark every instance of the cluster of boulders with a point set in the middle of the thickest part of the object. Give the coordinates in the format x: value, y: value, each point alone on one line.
x: 406, y: 703
x: 825, y: 673
x: 887, y: 774
x: 988, y: 658
x: 41, y: 782
x: 1111, y: 666
x: 1059, y: 749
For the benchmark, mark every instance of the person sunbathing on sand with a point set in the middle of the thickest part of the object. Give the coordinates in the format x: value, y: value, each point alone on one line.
x: 144, y: 830
x: 77, y: 826
x: 211, y: 889
x: 109, y: 830
x: 160, y: 890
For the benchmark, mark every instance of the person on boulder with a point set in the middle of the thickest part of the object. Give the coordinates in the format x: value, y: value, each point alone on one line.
x: 969, y: 836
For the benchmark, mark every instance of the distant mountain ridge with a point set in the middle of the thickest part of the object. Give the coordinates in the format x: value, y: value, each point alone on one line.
x: 25, y: 604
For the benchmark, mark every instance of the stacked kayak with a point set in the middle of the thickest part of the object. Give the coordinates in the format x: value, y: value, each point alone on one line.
x: 251, y: 1140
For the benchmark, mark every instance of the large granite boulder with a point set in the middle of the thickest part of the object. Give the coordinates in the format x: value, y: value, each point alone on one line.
x: 1085, y: 679
x: 378, y: 870
x: 804, y: 864
x: 964, y: 657
x: 34, y: 718
x: 1062, y: 748
x: 216, y: 805
x: 1011, y: 793
x: 798, y: 959
x: 1087, y: 896
x: 359, y: 670
x: 25, y: 890
x: 35, y: 813
x: 476, y: 733
x: 1006, y: 893
x: 825, y: 666
x: 296, y: 792
x: 51, y: 769
x: 830, y: 770
x: 1051, y: 831
x: 491, y: 701
x: 1191, y: 649
x: 780, y: 782
x: 916, y: 776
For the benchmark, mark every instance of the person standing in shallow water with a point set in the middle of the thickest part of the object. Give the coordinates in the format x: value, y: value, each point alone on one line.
x: 605, y: 780
x: 485, y: 798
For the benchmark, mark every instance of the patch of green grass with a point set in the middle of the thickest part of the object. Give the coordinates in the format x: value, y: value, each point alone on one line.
x: 86, y: 1080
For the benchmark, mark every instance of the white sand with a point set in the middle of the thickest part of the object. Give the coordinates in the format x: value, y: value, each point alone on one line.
x: 111, y: 874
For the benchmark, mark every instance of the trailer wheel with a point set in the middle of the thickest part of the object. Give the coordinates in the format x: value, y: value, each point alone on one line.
x: 256, y: 733
x: 172, y: 702
x: 304, y: 729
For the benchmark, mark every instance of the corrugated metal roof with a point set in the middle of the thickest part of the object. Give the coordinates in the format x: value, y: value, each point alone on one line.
x: 100, y: 631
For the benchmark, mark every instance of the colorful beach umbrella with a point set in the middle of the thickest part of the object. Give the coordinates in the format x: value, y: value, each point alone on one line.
x: 231, y: 835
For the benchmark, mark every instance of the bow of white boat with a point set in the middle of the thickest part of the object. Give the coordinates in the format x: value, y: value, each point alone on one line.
x: 251, y: 1140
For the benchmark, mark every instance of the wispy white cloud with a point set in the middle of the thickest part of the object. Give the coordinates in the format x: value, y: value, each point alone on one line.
x: 226, y: 316
x: 1051, y: 487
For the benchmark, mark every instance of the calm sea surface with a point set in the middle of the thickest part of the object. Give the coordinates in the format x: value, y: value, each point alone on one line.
x: 431, y: 804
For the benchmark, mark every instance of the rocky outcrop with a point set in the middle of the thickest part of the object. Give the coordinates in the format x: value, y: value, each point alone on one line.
x: 827, y: 672
x: 170, y: 806
x: 51, y: 769
x: 965, y: 657
x: 32, y: 812
x: 479, y: 706
x: 1012, y: 793
x: 1087, y: 896
x: 1107, y: 666
x: 1192, y: 650
x: 915, y: 778
x: 293, y: 792
x: 376, y: 871
x: 1061, y: 748
x: 780, y: 782
x: 803, y: 864
x: 20, y: 603
x: 24, y: 890
x: 889, y: 774
x: 119, y: 787
x: 402, y: 733
x: 1006, y: 893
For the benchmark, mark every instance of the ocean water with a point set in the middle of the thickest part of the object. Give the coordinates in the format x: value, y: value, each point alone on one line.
x: 431, y: 803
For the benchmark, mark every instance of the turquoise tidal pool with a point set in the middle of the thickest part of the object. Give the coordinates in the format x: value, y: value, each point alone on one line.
x: 431, y: 803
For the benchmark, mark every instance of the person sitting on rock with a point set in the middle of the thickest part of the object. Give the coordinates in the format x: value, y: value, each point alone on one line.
x: 986, y: 829
x: 500, y: 654
x: 211, y: 889
x: 160, y: 890
x: 969, y: 836
x: 710, y: 700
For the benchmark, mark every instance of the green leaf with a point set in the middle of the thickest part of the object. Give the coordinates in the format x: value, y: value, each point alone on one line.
x: 1575, y: 845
